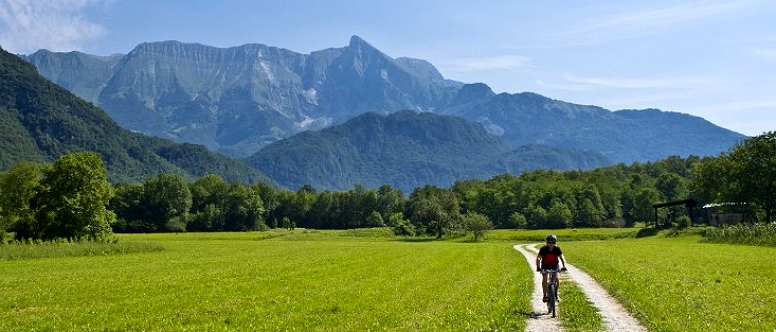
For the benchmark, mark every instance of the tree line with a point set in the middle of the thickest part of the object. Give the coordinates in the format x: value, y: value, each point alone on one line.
x: 72, y: 199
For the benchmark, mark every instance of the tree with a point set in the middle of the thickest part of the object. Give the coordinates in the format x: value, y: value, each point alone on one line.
x: 537, y: 216
x: 559, y: 215
x: 166, y: 201
x: 375, y: 220
x: 243, y: 209
x: 434, y: 210
x: 126, y: 203
x: 672, y: 186
x: 477, y: 224
x: 642, y: 203
x: 73, y: 199
x: 17, y: 188
x: 389, y: 201
x: 746, y: 174
x: 208, y: 195
x: 518, y: 220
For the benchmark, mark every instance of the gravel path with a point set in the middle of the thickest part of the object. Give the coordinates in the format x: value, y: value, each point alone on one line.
x: 615, y: 317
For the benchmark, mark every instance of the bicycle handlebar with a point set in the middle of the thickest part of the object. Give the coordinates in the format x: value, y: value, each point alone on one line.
x: 552, y: 270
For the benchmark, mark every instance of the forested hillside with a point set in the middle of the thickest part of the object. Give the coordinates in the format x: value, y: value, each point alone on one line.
x: 40, y: 121
x: 405, y: 150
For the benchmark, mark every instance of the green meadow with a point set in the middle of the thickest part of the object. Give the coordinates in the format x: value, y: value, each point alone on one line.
x: 678, y: 283
x: 369, y: 280
x: 271, y: 281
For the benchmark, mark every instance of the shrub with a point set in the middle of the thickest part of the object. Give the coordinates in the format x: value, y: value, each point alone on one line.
x: 752, y: 234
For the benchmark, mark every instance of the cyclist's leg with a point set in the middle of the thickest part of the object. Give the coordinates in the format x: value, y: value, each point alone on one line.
x: 544, y: 285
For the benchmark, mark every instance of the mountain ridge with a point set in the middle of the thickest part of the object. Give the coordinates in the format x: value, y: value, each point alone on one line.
x: 42, y: 121
x: 239, y: 100
x: 405, y: 149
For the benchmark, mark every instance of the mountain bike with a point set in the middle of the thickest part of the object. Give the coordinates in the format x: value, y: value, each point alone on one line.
x: 552, y: 290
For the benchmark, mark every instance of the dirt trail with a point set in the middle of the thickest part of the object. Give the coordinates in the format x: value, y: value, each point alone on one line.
x: 615, y: 317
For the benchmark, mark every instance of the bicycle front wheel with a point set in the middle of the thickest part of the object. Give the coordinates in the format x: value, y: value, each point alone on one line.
x: 551, y: 299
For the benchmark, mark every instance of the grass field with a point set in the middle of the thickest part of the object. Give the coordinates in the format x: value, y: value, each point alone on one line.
x: 306, y: 281
x: 369, y: 280
x: 681, y: 284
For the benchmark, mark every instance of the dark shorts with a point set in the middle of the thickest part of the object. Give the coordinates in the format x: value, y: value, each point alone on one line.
x: 549, y: 267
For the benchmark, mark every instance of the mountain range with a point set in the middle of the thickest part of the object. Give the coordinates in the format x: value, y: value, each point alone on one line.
x: 332, y: 119
x: 406, y: 149
x: 40, y: 121
x: 238, y: 100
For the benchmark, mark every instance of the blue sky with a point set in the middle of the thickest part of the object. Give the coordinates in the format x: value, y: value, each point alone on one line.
x: 712, y: 58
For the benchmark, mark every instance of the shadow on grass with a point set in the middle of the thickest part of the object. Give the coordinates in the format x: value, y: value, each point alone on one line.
x: 647, y: 231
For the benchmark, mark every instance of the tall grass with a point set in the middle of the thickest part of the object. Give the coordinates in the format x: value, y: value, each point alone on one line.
x: 758, y: 234
x: 29, y: 250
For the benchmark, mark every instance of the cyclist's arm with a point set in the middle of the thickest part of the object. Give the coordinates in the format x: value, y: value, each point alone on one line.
x: 538, y: 262
x: 562, y: 260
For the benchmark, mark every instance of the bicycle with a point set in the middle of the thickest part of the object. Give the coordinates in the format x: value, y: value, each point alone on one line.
x: 552, y: 289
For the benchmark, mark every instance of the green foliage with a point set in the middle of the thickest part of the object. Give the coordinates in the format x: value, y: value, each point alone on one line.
x: 67, y: 199
x: 478, y: 224
x: 166, y: 197
x: 758, y: 234
x: 435, y: 211
x: 405, y: 149
x: 747, y: 174
x: 17, y: 189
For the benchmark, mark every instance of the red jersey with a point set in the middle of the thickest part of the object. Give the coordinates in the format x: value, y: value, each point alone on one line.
x: 550, y: 257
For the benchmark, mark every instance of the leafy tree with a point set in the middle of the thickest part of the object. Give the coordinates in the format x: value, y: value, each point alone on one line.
x: 268, y: 197
x: 243, y: 209
x: 375, y: 220
x: 434, y: 210
x: 672, y: 186
x: 537, y: 216
x: 73, y: 199
x: 208, y: 196
x: 389, y: 201
x: 166, y: 198
x: 746, y: 174
x: 477, y: 224
x: 127, y: 204
x: 559, y: 215
x: 17, y: 188
x: 642, y: 203
x: 518, y: 220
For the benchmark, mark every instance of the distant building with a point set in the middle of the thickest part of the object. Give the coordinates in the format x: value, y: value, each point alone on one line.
x: 724, y: 213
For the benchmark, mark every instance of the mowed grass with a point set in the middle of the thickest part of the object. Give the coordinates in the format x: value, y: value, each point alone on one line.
x: 680, y: 284
x: 272, y: 281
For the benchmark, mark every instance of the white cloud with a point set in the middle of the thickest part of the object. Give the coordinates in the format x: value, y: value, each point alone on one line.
x: 58, y: 25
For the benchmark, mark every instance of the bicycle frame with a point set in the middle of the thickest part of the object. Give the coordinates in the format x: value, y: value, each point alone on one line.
x: 552, y: 290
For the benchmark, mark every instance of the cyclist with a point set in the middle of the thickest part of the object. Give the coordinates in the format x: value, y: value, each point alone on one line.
x: 548, y: 258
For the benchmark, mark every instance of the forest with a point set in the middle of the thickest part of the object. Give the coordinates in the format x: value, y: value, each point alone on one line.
x: 72, y: 199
